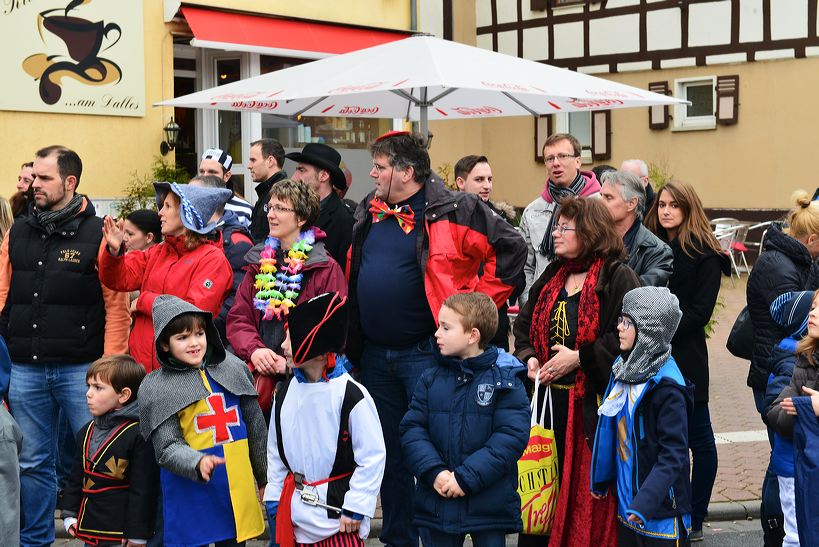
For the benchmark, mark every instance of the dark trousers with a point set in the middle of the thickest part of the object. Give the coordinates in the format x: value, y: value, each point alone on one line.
x: 626, y: 537
x: 770, y: 511
x: 704, y: 468
x: 390, y: 376
x: 434, y: 538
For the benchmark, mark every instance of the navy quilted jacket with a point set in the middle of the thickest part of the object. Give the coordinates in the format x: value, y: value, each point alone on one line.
x: 472, y: 417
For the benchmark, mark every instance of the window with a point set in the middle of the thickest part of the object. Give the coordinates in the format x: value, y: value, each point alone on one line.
x: 350, y: 133
x: 578, y: 124
x: 699, y: 114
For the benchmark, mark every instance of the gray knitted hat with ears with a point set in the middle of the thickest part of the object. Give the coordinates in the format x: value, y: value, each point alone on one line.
x: 655, y: 312
x: 197, y: 204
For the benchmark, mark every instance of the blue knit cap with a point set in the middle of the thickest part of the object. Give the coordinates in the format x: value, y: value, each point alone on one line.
x: 790, y: 311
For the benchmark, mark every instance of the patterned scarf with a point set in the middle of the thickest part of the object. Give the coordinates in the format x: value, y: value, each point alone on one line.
x: 49, y: 219
x: 588, y: 314
x: 556, y: 194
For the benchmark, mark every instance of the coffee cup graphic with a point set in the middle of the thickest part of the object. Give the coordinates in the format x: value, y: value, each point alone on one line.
x: 84, y: 40
x: 82, y: 37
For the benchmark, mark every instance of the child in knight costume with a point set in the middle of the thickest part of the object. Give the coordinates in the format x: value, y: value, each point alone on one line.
x: 325, y: 449
x: 200, y: 410
x: 110, y: 496
x: 641, y: 444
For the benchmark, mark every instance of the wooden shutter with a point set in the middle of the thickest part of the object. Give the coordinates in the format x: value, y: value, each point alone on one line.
x: 601, y: 135
x: 727, y: 99
x: 658, y: 115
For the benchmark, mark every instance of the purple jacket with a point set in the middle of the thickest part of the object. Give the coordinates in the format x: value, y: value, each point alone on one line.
x: 322, y: 274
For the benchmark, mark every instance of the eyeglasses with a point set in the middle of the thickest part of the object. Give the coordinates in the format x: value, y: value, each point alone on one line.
x: 562, y: 158
x: 277, y: 209
x: 563, y: 228
x: 625, y: 322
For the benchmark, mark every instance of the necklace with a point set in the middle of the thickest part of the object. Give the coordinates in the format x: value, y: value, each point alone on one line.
x: 577, y: 283
x: 278, y: 289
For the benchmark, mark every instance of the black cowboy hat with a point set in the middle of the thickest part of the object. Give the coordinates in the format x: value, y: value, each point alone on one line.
x: 324, y: 157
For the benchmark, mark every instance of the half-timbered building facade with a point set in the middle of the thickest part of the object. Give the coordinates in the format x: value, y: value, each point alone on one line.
x: 749, y: 68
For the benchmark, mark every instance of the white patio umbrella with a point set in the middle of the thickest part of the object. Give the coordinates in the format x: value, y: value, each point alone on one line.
x: 421, y: 78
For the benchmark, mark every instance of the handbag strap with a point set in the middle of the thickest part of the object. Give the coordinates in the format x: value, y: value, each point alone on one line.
x: 533, y: 406
x: 547, y: 397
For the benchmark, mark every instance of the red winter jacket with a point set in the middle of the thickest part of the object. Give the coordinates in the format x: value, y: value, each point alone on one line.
x: 201, y: 276
x: 322, y: 273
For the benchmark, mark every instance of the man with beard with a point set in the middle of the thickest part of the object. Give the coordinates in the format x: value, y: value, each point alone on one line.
x: 57, y: 318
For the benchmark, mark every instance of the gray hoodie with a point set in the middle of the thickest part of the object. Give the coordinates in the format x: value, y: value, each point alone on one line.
x: 169, y: 389
x: 655, y: 312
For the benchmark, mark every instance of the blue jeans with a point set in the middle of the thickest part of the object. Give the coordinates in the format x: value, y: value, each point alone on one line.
x: 491, y: 538
x: 390, y: 376
x: 704, y: 468
x: 37, y: 394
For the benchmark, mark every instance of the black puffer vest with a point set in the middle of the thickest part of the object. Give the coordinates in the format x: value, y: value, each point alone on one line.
x: 56, y: 313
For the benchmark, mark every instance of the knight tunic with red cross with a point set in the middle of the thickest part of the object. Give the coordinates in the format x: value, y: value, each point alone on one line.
x: 225, y: 507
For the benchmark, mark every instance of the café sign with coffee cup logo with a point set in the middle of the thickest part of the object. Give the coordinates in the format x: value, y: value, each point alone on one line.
x: 74, y: 56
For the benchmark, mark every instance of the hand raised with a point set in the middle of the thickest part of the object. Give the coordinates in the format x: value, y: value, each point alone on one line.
x: 114, y: 233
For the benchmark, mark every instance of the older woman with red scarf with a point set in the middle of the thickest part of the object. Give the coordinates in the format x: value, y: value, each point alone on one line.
x: 566, y: 334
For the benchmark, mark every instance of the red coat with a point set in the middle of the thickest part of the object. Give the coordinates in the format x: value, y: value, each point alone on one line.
x: 322, y: 273
x: 202, y: 277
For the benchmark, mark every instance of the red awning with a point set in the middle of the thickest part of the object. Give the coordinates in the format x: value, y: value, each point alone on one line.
x: 244, y: 32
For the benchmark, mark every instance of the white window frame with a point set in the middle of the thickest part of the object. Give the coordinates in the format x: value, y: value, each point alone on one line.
x: 684, y: 122
x: 562, y: 126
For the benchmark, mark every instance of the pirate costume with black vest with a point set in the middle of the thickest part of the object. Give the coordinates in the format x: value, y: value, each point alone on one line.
x: 325, y: 448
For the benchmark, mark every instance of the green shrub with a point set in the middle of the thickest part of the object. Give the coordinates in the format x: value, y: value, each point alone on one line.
x: 139, y: 192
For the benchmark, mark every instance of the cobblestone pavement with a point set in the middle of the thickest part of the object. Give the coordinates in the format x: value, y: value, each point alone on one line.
x: 742, y: 462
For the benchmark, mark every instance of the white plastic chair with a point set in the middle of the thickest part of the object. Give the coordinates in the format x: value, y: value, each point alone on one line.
x: 726, y: 238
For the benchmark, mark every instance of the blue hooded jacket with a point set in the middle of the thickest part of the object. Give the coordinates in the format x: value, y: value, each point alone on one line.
x: 790, y: 311
x: 472, y: 417
x: 657, y: 447
x: 806, y: 444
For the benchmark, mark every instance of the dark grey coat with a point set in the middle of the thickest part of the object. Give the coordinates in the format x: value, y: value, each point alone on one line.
x: 650, y: 258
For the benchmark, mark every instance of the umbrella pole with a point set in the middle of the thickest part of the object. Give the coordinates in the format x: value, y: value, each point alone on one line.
x: 423, y: 105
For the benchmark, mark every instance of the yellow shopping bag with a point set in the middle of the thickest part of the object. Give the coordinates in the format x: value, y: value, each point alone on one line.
x: 538, y: 477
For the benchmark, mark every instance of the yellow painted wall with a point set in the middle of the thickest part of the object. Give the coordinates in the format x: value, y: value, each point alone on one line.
x: 110, y: 147
x: 392, y: 14
x: 113, y: 147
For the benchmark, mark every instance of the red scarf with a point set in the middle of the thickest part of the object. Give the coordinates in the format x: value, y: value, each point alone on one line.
x: 588, y: 314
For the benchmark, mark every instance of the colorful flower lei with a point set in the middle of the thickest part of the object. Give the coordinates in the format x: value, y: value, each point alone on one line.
x: 278, y: 289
